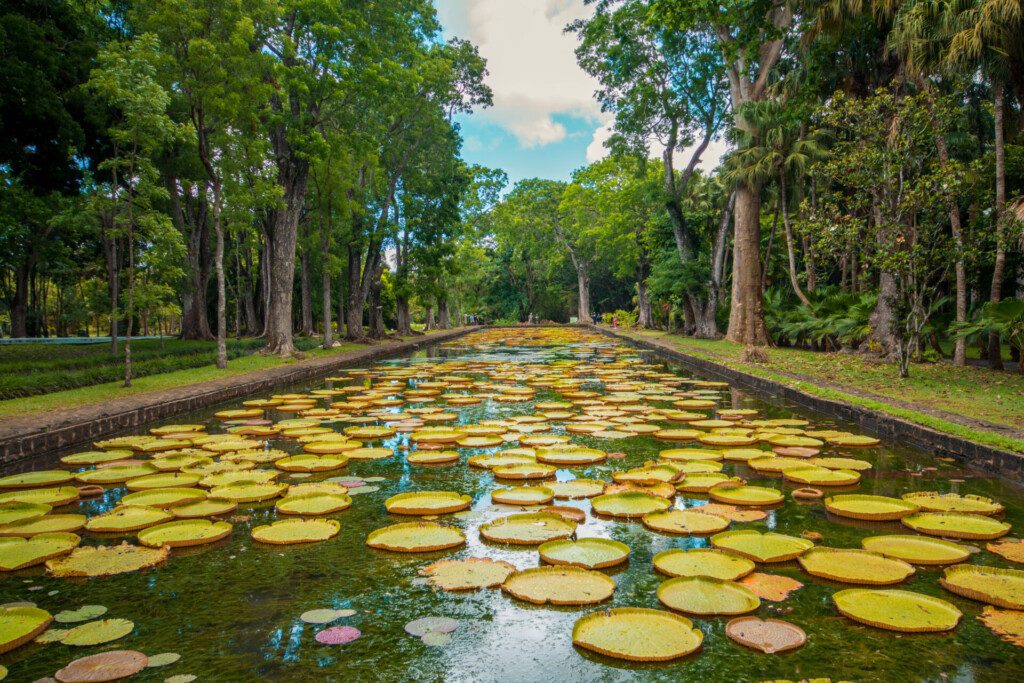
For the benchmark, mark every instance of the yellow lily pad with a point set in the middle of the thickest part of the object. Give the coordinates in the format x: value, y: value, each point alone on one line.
x: 1007, y: 624
x: 248, y: 492
x: 745, y: 495
x: 125, y: 518
x: 559, y: 586
x: 629, y: 504
x: 162, y: 480
x: 468, y: 574
x: 432, y: 457
x: 106, y: 560
x: 163, y: 498
x: 854, y: 566
x: 308, y: 462
x: 876, y: 508
x: 767, y: 547
x: 35, y: 479
x: 897, y: 610
x: 18, y: 553
x: 689, y: 522
x: 702, y: 482
x: 637, y: 634
x: 524, y: 471
x: 523, y: 495
x: 95, y: 457
x: 293, y: 531
x: 821, y: 476
x: 570, y: 457
x: 994, y: 585
x: 54, y: 497
x: 931, y: 501
x: 917, y: 549
x: 47, y: 524
x: 313, y: 503
x: 956, y: 525
x: 707, y: 562
x: 209, y: 507
x: 19, y: 625
x: 416, y: 537
x: 117, y: 474
x: 98, y: 632
x: 690, y: 455
x: 427, y: 502
x: 586, y: 553
x: 705, y: 596
x: 528, y: 529
x: 184, y: 532
x: 577, y: 488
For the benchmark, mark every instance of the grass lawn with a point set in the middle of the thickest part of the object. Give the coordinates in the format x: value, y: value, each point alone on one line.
x: 976, y: 394
x: 95, y: 393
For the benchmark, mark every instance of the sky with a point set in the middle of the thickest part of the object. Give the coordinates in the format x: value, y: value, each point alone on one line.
x: 545, y: 121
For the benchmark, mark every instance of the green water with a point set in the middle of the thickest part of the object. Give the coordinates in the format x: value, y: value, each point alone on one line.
x: 232, y: 609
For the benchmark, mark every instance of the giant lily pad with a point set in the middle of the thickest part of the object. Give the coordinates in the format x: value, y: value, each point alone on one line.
x: 35, y: 479
x: 702, y: 482
x: 767, y: 547
x: 629, y: 504
x: 707, y: 562
x: 106, y: 560
x: 876, y: 508
x: 98, y: 632
x: 16, y: 511
x: 523, y: 495
x: 127, y: 518
x: 705, y: 596
x: 162, y: 480
x: 917, y: 549
x: 650, y: 474
x: 577, y: 488
x: 767, y: 635
x: 115, y: 474
x: 1007, y: 624
x: 745, y: 495
x: 427, y: 503
x: 54, y: 497
x: 690, y: 455
x: 47, y: 524
x: 773, y: 587
x: 994, y: 585
x: 311, y: 463
x: 688, y: 522
x: 184, y: 532
x: 95, y: 457
x: 163, y: 498
x: 524, y: 471
x: 415, y: 537
x: 1012, y: 550
x: 468, y: 574
x: 432, y: 457
x: 570, y: 457
x: 956, y: 525
x: 897, y: 610
x: 239, y: 476
x: 209, y: 507
x: 248, y: 492
x: 821, y: 476
x: 854, y: 566
x: 586, y: 553
x: 637, y: 634
x: 931, y: 501
x: 19, y: 625
x: 105, y: 666
x: 293, y: 531
x: 313, y: 504
x: 18, y: 553
x: 528, y: 529
x: 559, y: 586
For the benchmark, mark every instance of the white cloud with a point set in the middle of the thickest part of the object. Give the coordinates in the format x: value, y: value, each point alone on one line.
x: 709, y: 160
x: 533, y: 70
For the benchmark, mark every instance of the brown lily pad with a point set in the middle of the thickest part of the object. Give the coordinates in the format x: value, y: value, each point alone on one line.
x: 772, y: 587
x: 767, y: 635
x: 105, y: 666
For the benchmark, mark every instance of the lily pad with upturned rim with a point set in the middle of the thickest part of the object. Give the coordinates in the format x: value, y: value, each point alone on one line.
x: 768, y: 547
x: 704, y: 596
x: 746, y: 495
x: 210, y: 507
x: 932, y: 501
x: 19, y: 553
x: 128, y: 518
x: 577, y: 488
x: 917, y: 549
x: 47, y: 524
x: 184, y: 532
x: 867, y: 507
x: 295, y: 531
x: 467, y: 574
x: 36, y: 479
x: 629, y: 504
x: 163, y: 498
x: 559, y: 585
x: 427, y: 502
x: 897, y: 610
x: 19, y: 625
x: 956, y: 525
x: 92, y: 561
x: 313, y: 504
x: 528, y: 529
x: 415, y: 537
x: 707, y: 562
x: 523, y: 495
x: 992, y: 585
x: 770, y: 636
x: 691, y: 522
x: 848, y: 565
x: 586, y: 553
x: 637, y: 634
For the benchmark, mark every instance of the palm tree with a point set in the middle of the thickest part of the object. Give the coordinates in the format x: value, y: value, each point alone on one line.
x: 776, y: 147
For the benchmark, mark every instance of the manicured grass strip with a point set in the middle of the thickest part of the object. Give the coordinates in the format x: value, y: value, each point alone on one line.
x: 975, y: 393
x: 74, y: 398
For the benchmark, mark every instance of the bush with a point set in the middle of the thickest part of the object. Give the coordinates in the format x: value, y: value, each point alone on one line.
x: 606, y: 318
x: 627, y: 319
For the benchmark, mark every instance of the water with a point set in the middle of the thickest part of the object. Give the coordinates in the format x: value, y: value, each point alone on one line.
x: 232, y: 608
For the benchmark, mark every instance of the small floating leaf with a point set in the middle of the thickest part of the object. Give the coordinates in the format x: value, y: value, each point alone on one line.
x: 325, y: 616
x: 420, y: 627
x: 163, y: 659
x: 83, y: 613
x: 338, y: 635
x: 97, y: 632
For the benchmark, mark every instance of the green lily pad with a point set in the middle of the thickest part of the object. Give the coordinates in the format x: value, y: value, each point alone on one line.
x: 19, y: 625
x: 98, y: 632
x: 18, y: 553
x: 83, y: 613
x: 325, y: 616
x: 17, y: 511
x: 53, y: 635
x: 163, y: 659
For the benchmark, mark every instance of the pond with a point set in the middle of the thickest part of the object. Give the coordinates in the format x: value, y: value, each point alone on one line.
x: 233, y: 608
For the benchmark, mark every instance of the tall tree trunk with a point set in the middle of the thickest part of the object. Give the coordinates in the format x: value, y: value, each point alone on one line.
x: 882, y: 318
x: 377, y: 327
x: 645, y: 319
x: 218, y: 264
x: 341, y: 304
x: 746, y: 317
x: 325, y: 286
x: 706, y: 323
x: 443, y: 314
x: 282, y: 272
x: 995, y: 355
x: 189, y: 215
x: 354, y: 314
x: 428, y: 320
x: 19, y: 307
x: 306, y: 293
x: 790, y: 251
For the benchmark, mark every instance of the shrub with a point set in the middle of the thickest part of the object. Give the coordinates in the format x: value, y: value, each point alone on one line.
x: 627, y: 319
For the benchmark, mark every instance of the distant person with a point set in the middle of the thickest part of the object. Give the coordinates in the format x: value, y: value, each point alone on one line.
x: 615, y: 321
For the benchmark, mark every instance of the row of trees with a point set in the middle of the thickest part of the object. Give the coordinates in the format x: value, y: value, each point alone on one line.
x: 293, y: 163
x: 874, y: 151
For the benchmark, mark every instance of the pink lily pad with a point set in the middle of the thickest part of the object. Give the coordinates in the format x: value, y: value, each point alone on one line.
x: 338, y: 635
